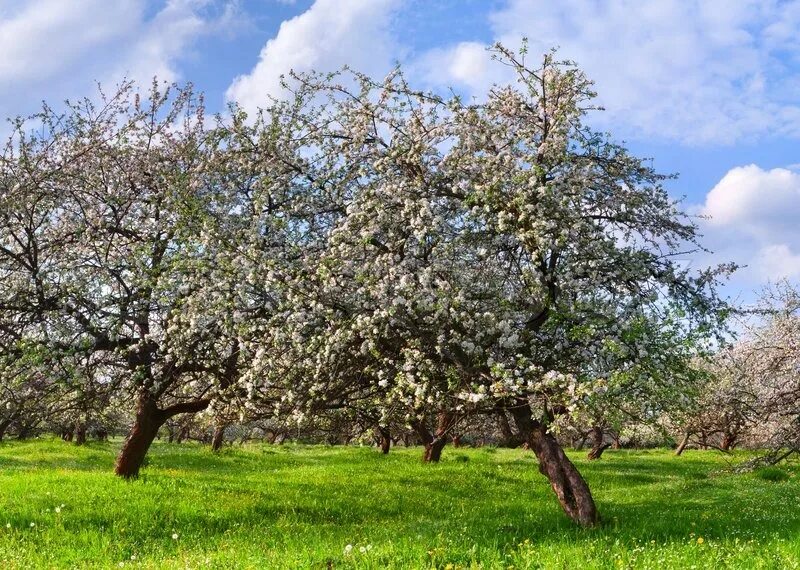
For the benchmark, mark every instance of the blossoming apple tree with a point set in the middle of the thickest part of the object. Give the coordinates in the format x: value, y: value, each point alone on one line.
x: 480, y: 255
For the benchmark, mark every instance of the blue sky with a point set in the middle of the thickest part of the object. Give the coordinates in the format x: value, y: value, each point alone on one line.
x: 710, y: 89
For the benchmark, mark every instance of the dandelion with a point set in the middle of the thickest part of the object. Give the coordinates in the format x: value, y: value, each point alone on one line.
x: 700, y: 540
x: 33, y: 524
x: 57, y: 510
x: 174, y: 536
x: 348, y: 549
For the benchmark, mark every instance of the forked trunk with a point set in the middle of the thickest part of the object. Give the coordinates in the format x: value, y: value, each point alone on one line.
x: 149, y: 419
x: 598, y: 447
x: 218, y: 438
x: 145, y: 428
x: 682, y: 445
x: 571, y: 489
x: 434, y: 444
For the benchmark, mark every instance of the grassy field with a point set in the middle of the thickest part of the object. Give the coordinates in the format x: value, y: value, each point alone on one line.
x: 318, y: 507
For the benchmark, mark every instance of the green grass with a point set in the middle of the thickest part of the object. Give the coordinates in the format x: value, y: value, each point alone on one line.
x: 299, y: 507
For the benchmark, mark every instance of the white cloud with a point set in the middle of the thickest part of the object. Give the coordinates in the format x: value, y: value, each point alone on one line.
x: 327, y: 36
x: 776, y: 262
x: 760, y: 202
x: 49, y: 35
x: 696, y: 71
x: 753, y: 217
x: 53, y: 49
x: 467, y: 64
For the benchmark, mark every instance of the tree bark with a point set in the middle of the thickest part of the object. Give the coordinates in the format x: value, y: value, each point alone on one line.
x: 80, y: 433
x: 682, y: 445
x: 598, y: 447
x: 569, y: 486
x: 183, y: 434
x: 218, y: 438
x: 510, y: 439
x: 3, y: 427
x: 728, y: 442
x: 149, y: 419
x: 385, y: 439
x: 434, y: 444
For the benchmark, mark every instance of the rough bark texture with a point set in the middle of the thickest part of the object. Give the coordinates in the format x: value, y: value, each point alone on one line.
x: 598, y: 447
x: 434, y: 444
x: 149, y: 418
x: 218, y: 438
x: 572, y: 491
x: 682, y: 445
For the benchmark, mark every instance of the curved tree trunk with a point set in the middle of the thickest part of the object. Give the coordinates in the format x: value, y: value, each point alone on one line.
x: 218, y: 438
x: 571, y: 489
x: 149, y: 419
x: 682, y: 445
x: 598, y: 447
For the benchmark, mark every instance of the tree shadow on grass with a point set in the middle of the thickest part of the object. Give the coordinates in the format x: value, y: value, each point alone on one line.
x: 494, y: 500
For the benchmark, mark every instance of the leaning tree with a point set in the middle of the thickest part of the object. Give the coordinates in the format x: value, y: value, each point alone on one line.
x: 480, y: 256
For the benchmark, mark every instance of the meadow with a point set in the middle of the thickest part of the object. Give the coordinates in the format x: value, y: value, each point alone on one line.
x: 294, y: 506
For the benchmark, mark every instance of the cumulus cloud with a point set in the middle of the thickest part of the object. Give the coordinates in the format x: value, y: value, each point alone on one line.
x: 752, y: 219
x: 695, y: 71
x: 329, y: 35
x: 761, y: 202
x: 54, y: 49
x: 466, y: 65
x: 778, y: 262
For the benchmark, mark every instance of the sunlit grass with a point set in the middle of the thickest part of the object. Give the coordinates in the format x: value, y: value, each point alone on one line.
x: 300, y: 507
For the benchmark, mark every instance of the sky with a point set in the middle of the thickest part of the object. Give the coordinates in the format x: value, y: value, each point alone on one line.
x: 709, y: 89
